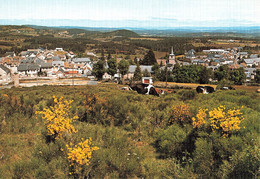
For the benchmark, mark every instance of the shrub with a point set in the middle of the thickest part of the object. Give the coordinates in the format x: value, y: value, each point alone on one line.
x: 203, y: 158
x: 79, y: 155
x: 57, y: 118
x: 170, y: 141
x: 180, y: 113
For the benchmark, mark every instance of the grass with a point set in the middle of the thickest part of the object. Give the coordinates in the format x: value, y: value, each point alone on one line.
x: 24, y: 153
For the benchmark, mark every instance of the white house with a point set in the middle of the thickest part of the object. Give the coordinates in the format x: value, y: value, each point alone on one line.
x: 5, y: 74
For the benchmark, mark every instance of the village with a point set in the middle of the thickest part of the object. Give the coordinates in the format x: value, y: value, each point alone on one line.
x: 60, y: 64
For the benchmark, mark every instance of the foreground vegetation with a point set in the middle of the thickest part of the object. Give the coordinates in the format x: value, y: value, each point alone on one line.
x: 127, y: 135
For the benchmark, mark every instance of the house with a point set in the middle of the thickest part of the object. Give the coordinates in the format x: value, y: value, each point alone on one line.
x: 161, y: 62
x: 250, y: 73
x: 29, y: 69
x: 190, y: 54
x: 253, y: 56
x: 59, y: 49
x: 242, y: 55
x: 91, y: 54
x: 81, y: 60
x: 147, y: 80
x: 60, y: 73
x: 218, y: 51
x: 132, y: 68
x: 234, y: 66
x: 253, y: 61
x: 5, y: 74
x: 213, y: 67
x: 10, y: 54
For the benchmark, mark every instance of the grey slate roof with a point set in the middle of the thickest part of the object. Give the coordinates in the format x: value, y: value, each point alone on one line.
x: 58, y: 63
x: 81, y: 60
x: 242, y: 53
x: 143, y: 67
x: 56, y: 58
x: 7, y: 70
x: 26, y: 67
x: 39, y: 61
x: 46, y: 65
x: 252, y: 60
x: 254, y: 56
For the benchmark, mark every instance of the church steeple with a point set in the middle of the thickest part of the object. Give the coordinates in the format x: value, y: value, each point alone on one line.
x: 172, y: 54
x: 172, y: 58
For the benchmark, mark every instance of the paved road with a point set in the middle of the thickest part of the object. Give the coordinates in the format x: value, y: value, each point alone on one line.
x: 75, y: 82
x: 6, y: 87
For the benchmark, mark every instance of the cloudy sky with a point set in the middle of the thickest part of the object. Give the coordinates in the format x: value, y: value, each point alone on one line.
x: 131, y: 13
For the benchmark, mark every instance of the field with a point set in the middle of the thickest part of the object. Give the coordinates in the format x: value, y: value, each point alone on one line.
x: 252, y: 89
x: 138, y: 136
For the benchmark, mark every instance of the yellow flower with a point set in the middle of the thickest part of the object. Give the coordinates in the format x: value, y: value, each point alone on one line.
x: 57, y: 118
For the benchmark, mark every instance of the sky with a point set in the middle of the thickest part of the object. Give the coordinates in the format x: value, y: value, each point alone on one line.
x: 131, y: 13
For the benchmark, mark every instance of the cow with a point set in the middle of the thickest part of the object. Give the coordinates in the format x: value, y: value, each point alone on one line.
x: 205, y: 89
x: 227, y: 88
x: 145, y: 89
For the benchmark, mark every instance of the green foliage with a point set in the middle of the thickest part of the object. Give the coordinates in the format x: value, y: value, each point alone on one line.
x: 123, y: 67
x: 99, y: 69
x: 149, y: 58
x: 205, y: 74
x: 132, y: 133
x: 112, y: 66
x: 203, y: 158
x: 257, y: 76
x: 146, y: 73
x: 222, y: 73
x: 138, y: 73
x: 170, y: 141
x: 238, y: 76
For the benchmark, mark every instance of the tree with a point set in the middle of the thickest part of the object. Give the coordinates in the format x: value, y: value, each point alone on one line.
x: 112, y: 66
x: 146, y: 73
x: 205, y: 74
x: 161, y: 64
x: 222, y: 73
x: 156, y: 71
x: 138, y: 73
x: 109, y: 56
x: 135, y: 60
x: 149, y: 58
x: 123, y: 67
x: 238, y: 76
x: 102, y: 55
x: 131, y: 62
x: 99, y: 69
x: 257, y: 76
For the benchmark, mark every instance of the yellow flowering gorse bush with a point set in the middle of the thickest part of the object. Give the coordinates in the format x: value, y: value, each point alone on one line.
x: 57, y: 118
x: 227, y: 120
x: 199, y: 120
x: 220, y: 118
x: 80, y: 155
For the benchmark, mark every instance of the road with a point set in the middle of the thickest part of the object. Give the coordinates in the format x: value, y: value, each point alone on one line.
x: 31, y: 83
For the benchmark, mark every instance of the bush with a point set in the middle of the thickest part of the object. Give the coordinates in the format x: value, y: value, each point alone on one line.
x: 169, y: 141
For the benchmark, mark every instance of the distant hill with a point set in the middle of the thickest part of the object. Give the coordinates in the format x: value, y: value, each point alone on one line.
x: 120, y: 33
x: 105, y: 33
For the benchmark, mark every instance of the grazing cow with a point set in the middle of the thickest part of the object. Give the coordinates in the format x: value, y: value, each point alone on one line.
x: 144, y: 89
x: 227, y: 88
x: 205, y: 89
